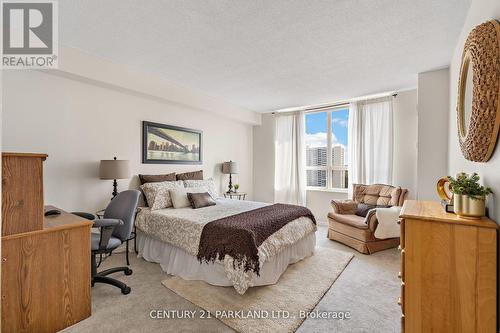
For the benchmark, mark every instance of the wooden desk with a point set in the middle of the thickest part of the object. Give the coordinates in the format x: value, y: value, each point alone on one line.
x: 46, y: 276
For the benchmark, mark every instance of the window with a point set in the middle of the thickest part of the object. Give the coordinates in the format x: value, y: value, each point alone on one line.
x: 326, y: 148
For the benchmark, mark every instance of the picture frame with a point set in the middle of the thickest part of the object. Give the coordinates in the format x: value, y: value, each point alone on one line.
x: 167, y: 144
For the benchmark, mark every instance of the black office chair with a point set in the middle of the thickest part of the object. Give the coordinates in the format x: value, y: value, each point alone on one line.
x: 115, y: 228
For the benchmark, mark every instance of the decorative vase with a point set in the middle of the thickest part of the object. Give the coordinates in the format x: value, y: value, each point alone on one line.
x: 469, y: 207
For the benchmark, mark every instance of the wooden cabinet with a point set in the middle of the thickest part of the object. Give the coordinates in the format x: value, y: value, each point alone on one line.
x: 448, y: 271
x: 22, y: 192
x: 45, y: 260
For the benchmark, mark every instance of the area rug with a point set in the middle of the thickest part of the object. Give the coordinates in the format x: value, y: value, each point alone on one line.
x: 275, y: 308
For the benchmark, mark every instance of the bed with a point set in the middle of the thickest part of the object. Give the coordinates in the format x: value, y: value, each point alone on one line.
x: 171, y: 237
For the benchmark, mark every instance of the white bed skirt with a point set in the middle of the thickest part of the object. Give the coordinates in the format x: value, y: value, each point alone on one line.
x: 178, y: 262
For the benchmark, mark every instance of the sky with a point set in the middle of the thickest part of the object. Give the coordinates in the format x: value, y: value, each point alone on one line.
x: 316, y: 128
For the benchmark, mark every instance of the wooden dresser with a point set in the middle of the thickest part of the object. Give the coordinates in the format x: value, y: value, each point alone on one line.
x: 448, y: 271
x: 45, y: 260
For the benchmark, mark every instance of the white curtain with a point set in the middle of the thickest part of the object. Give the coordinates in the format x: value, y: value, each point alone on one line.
x: 370, y: 142
x: 289, y: 159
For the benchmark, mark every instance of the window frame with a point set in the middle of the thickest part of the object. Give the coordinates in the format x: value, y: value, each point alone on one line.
x: 329, y: 163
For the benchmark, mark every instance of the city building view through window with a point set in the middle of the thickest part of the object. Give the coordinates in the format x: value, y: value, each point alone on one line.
x: 326, y: 148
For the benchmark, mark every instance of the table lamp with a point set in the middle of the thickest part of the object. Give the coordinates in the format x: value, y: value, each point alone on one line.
x: 230, y: 168
x: 114, y: 169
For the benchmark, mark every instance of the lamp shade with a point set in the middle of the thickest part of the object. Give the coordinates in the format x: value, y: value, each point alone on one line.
x: 229, y: 167
x: 114, y: 169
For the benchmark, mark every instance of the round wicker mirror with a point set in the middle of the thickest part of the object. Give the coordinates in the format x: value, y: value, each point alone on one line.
x: 478, y: 103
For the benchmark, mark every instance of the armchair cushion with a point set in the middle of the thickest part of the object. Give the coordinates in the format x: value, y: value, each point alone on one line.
x: 349, y: 219
x: 344, y: 206
x: 377, y: 194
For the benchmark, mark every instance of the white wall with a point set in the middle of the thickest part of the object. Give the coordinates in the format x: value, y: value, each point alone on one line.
x: 405, y: 156
x: 479, y: 12
x: 405, y: 141
x: 79, y: 122
x: 433, y: 105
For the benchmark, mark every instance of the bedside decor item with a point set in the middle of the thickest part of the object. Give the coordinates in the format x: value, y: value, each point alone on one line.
x: 478, y: 102
x: 170, y: 144
x: 114, y: 169
x: 236, y: 195
x: 236, y: 187
x: 230, y: 168
x: 469, y: 197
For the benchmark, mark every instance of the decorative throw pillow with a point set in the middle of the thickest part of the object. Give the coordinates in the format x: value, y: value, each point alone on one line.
x: 154, y: 179
x: 157, y: 178
x: 208, y: 183
x: 200, y: 200
x: 363, y: 209
x: 158, y: 195
x: 192, y: 175
x: 179, y: 196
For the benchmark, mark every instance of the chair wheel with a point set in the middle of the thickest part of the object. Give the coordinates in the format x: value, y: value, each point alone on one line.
x: 126, y: 291
x: 128, y: 271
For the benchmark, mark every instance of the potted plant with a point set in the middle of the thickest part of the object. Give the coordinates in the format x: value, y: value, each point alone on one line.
x: 236, y: 187
x: 469, y: 197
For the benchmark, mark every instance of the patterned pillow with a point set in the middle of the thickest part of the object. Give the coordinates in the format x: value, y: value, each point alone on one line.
x: 208, y: 183
x: 158, y: 195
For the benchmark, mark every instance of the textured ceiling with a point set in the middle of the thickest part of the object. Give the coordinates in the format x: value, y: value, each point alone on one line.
x: 265, y: 55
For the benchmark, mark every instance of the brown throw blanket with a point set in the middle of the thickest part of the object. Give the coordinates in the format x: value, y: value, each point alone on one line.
x: 240, y: 235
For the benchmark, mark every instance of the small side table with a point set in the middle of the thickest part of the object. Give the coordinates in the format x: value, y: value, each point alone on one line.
x: 133, y: 234
x: 236, y: 195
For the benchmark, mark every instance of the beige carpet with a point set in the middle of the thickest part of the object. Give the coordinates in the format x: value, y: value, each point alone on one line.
x: 300, y: 288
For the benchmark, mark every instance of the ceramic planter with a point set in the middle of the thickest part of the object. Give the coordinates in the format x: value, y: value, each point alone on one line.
x: 468, y: 207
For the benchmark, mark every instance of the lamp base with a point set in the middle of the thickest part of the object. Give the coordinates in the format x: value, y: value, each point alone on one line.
x: 115, y: 189
x: 230, y: 184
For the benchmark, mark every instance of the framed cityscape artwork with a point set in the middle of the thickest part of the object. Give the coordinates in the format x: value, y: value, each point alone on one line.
x: 170, y: 144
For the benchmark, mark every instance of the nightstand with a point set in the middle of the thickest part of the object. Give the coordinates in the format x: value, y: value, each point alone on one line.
x: 235, y: 195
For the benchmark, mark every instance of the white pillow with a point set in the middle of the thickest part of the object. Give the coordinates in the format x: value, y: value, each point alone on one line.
x: 208, y: 183
x: 158, y: 193
x: 179, y: 195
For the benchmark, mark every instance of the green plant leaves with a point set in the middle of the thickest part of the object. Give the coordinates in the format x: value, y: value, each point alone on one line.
x: 468, y: 185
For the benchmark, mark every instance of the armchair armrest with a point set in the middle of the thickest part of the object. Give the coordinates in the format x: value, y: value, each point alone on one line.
x: 371, y: 219
x: 106, y: 227
x: 344, y: 206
